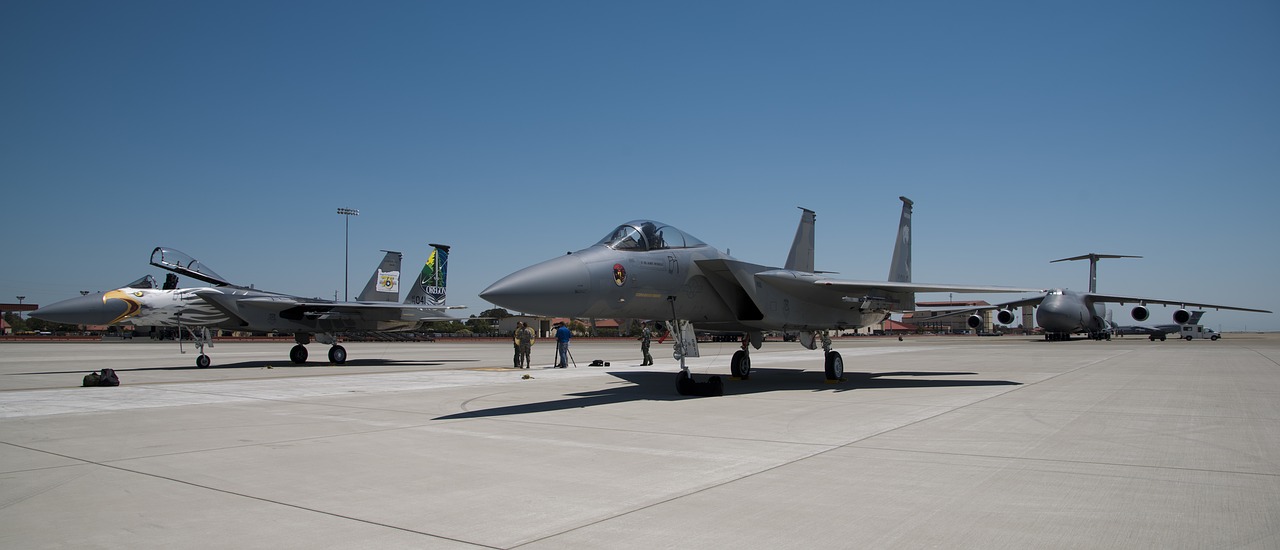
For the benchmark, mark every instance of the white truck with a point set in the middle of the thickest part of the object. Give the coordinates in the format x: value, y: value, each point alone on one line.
x: 1192, y: 332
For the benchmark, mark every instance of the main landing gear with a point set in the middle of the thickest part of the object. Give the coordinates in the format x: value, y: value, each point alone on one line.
x: 298, y: 354
x: 740, y: 364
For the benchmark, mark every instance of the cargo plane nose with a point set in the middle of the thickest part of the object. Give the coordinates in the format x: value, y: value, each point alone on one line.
x: 559, y: 287
x: 92, y: 309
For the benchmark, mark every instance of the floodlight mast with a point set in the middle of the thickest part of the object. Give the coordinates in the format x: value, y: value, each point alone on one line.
x: 346, y: 254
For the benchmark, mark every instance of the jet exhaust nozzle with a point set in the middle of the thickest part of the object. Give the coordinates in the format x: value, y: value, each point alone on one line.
x: 1140, y: 314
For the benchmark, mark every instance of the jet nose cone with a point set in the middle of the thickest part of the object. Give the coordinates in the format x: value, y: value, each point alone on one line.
x: 560, y: 287
x: 93, y: 309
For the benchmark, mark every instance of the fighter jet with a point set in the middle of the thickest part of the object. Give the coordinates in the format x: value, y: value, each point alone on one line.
x: 1062, y: 312
x: 227, y: 306
x: 645, y: 269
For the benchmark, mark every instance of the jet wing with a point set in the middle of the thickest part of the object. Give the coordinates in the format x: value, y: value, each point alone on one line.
x: 822, y: 289
x: 1120, y: 299
x: 365, y: 311
x: 290, y: 307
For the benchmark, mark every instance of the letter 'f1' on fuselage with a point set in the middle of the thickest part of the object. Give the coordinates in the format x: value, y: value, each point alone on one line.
x: 644, y: 269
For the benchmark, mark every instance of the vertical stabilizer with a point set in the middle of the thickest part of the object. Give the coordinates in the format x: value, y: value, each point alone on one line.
x: 384, y: 285
x: 801, y: 256
x: 900, y: 267
x: 429, y: 288
x: 1093, y: 265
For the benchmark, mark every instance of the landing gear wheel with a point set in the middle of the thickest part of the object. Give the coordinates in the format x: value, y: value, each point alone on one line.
x: 202, y: 361
x: 740, y: 365
x: 834, y: 366
x: 337, y: 355
x: 684, y: 383
x: 298, y: 354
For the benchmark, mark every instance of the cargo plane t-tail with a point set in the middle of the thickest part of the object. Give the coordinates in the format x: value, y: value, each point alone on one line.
x: 225, y: 306
x: 644, y: 269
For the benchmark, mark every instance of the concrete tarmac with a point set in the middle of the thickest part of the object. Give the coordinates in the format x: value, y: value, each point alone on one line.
x: 944, y: 442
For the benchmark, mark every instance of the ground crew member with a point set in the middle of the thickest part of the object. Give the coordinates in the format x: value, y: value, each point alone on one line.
x: 644, y: 344
x: 524, y: 341
x: 562, y: 345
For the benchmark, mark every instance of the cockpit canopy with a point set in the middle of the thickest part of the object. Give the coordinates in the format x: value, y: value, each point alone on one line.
x: 182, y: 264
x: 642, y: 235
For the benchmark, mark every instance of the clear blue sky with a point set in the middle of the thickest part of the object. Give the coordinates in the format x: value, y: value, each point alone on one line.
x: 517, y: 131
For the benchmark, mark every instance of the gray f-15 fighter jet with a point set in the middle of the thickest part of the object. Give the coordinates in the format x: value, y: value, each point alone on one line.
x: 645, y: 269
x: 230, y: 307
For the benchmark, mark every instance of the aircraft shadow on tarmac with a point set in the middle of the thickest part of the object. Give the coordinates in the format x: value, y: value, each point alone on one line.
x: 277, y: 365
x: 660, y: 386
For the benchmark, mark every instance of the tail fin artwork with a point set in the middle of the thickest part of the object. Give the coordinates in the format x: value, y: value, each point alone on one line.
x: 384, y: 285
x: 900, y: 267
x: 429, y: 288
x: 801, y: 256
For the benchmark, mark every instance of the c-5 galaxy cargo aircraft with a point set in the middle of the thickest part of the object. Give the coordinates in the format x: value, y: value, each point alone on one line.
x: 230, y: 307
x: 1062, y: 312
x: 645, y: 269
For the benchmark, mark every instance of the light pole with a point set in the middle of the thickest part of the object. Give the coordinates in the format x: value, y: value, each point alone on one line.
x: 20, y: 299
x: 346, y: 255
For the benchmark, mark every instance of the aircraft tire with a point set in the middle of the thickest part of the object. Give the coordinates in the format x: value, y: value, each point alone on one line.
x: 298, y: 354
x: 684, y: 383
x: 337, y: 355
x: 740, y: 365
x: 834, y: 365
x: 202, y: 361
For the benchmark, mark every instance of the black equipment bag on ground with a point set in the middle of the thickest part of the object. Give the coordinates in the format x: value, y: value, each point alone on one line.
x: 107, y: 378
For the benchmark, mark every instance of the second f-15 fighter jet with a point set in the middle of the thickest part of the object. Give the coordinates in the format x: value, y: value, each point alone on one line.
x: 230, y: 307
x: 645, y: 269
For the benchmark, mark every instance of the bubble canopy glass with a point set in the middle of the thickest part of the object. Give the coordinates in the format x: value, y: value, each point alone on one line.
x: 642, y: 235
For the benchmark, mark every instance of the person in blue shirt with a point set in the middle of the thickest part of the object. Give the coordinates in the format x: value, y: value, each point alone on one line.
x: 562, y: 345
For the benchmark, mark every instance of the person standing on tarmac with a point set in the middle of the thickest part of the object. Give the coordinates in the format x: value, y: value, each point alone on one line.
x: 644, y: 344
x: 515, y: 345
x: 562, y: 345
x: 524, y: 345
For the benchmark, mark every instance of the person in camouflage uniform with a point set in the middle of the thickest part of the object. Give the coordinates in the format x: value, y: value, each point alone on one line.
x: 645, y: 335
x: 524, y: 345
